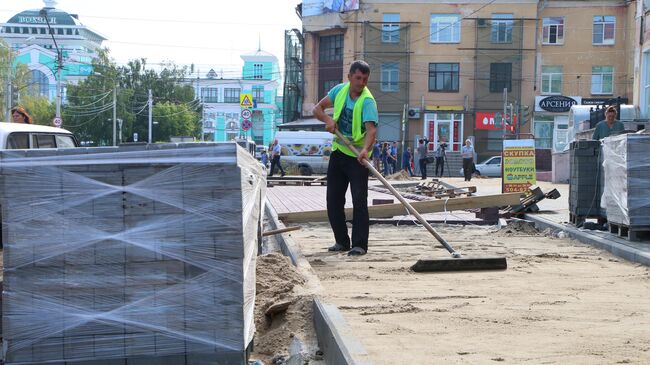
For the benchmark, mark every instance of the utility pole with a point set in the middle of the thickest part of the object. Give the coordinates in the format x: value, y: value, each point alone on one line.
x: 505, y: 112
x: 8, y: 98
x: 115, y: 116
x: 150, y: 101
x: 59, y: 64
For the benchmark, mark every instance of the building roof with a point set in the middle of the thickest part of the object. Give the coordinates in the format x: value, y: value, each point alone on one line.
x: 259, y: 55
x: 56, y: 17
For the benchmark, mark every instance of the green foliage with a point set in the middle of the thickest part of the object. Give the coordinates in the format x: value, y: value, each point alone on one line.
x: 39, y: 108
x: 89, y: 111
x: 17, y: 73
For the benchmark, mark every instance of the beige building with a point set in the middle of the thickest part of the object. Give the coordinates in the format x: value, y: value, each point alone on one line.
x: 447, y: 64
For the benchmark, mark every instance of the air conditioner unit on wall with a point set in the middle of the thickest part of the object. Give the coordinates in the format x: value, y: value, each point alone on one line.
x: 414, y: 113
x: 481, y: 23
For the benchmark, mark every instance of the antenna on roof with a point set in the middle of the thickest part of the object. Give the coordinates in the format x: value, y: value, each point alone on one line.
x: 259, y: 42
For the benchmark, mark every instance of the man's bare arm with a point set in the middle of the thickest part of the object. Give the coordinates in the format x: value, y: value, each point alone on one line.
x: 371, y: 134
x: 319, y: 113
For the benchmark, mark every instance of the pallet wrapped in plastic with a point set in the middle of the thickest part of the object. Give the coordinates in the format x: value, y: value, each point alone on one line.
x: 626, y: 163
x: 130, y: 255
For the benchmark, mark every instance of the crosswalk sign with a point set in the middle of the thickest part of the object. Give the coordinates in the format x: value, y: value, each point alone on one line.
x: 246, y: 100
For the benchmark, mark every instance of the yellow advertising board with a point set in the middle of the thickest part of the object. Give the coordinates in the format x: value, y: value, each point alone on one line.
x: 518, y: 165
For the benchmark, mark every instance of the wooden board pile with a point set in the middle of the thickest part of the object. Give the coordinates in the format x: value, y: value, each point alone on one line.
x: 130, y: 255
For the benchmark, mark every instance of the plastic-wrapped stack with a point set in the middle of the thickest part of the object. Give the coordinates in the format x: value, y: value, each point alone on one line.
x: 626, y: 161
x: 130, y: 255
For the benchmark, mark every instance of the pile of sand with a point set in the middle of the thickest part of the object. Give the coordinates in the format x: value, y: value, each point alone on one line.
x: 400, y: 175
x: 277, y: 283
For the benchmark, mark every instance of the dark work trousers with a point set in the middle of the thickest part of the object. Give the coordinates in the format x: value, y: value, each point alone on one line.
x: 342, y: 171
x: 423, y: 167
x: 276, y: 161
x: 440, y: 162
x: 468, y: 168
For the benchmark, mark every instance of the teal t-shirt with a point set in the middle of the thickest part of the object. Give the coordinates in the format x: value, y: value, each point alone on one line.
x: 368, y: 112
x: 602, y: 130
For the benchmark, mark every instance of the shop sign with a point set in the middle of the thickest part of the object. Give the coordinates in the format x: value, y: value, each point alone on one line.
x: 518, y: 165
x: 601, y: 101
x: 485, y: 121
x: 555, y: 103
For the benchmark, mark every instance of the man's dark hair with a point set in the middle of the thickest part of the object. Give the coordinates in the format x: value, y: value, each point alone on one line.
x: 361, y: 66
x: 421, y: 140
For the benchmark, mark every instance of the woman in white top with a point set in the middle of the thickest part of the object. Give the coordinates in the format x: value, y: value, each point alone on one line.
x: 467, y: 153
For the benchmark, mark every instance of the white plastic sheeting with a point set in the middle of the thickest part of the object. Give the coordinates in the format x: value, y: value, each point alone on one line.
x: 129, y: 252
x: 626, y: 165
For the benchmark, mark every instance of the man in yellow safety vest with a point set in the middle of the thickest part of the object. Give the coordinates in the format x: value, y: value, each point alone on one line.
x: 356, y: 117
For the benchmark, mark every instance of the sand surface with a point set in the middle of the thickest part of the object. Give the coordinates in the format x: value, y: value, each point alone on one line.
x: 559, y: 302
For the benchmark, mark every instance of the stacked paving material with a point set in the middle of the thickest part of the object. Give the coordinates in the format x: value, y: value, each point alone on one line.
x: 627, y: 176
x: 130, y: 255
x: 585, y: 191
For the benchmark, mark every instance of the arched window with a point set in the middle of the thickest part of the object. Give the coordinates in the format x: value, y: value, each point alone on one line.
x: 39, y: 84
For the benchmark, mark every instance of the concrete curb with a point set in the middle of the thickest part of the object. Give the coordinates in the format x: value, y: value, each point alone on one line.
x: 617, y: 246
x: 335, y: 337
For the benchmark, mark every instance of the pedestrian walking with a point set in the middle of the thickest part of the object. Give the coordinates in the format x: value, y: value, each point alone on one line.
x: 275, y: 158
x: 356, y: 117
x: 440, y: 155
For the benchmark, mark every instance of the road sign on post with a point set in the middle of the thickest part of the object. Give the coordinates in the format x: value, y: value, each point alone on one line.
x: 246, y: 100
x: 246, y: 124
x: 57, y: 122
x: 246, y: 114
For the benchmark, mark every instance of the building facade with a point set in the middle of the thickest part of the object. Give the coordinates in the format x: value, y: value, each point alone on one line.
x: 28, y: 36
x: 222, y: 112
x: 442, y: 66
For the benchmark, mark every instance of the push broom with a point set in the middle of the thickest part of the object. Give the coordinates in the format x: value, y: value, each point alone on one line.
x: 456, y: 262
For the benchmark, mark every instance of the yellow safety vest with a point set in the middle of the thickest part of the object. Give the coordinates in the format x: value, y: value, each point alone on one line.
x: 357, y: 135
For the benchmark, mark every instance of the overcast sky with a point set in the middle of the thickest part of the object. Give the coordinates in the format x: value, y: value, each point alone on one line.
x: 210, y: 34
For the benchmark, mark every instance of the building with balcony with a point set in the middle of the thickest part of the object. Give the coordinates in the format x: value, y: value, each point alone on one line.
x: 223, y: 119
x: 453, y: 69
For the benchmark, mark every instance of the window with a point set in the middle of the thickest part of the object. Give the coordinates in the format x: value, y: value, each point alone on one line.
x: 500, y: 77
x: 443, y: 77
x: 258, y: 69
x: 18, y: 141
x: 210, y: 95
x: 390, y: 30
x: 39, y: 84
x: 331, y: 48
x: 231, y: 95
x: 328, y: 85
x: 502, y: 28
x: 604, y: 29
x: 543, y: 127
x: 553, y: 31
x: 63, y: 141
x: 445, y: 28
x: 602, y: 80
x: 551, y: 79
x: 390, y: 77
x: 43, y: 141
x: 258, y: 94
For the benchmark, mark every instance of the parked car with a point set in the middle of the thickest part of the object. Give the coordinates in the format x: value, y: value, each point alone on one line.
x: 18, y: 136
x: 489, y: 167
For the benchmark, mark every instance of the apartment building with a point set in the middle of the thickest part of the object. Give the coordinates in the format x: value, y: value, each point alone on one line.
x: 447, y: 64
x: 642, y: 58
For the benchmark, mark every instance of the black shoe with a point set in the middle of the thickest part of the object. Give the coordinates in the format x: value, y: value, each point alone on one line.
x: 282, y: 174
x: 357, y: 251
x: 338, y: 248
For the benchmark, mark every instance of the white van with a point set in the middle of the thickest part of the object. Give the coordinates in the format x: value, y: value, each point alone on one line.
x: 309, y: 151
x: 19, y: 136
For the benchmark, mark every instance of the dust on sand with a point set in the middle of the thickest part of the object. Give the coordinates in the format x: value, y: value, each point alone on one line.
x: 559, y: 302
x: 278, y: 282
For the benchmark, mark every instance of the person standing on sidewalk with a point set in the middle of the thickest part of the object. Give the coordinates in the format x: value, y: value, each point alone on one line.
x: 422, y: 158
x: 276, y: 150
x: 468, y: 160
x: 440, y: 157
x: 406, y: 161
x: 356, y: 117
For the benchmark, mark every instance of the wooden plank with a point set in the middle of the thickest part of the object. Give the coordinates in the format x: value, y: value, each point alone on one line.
x: 431, y: 206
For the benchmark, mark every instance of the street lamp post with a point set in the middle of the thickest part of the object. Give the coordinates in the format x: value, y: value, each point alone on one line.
x: 8, y: 93
x: 59, y: 63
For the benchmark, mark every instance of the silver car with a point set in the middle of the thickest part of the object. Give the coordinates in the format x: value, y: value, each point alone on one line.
x: 489, y: 167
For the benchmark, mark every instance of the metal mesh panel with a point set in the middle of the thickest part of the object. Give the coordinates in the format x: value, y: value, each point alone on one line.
x: 293, y: 82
